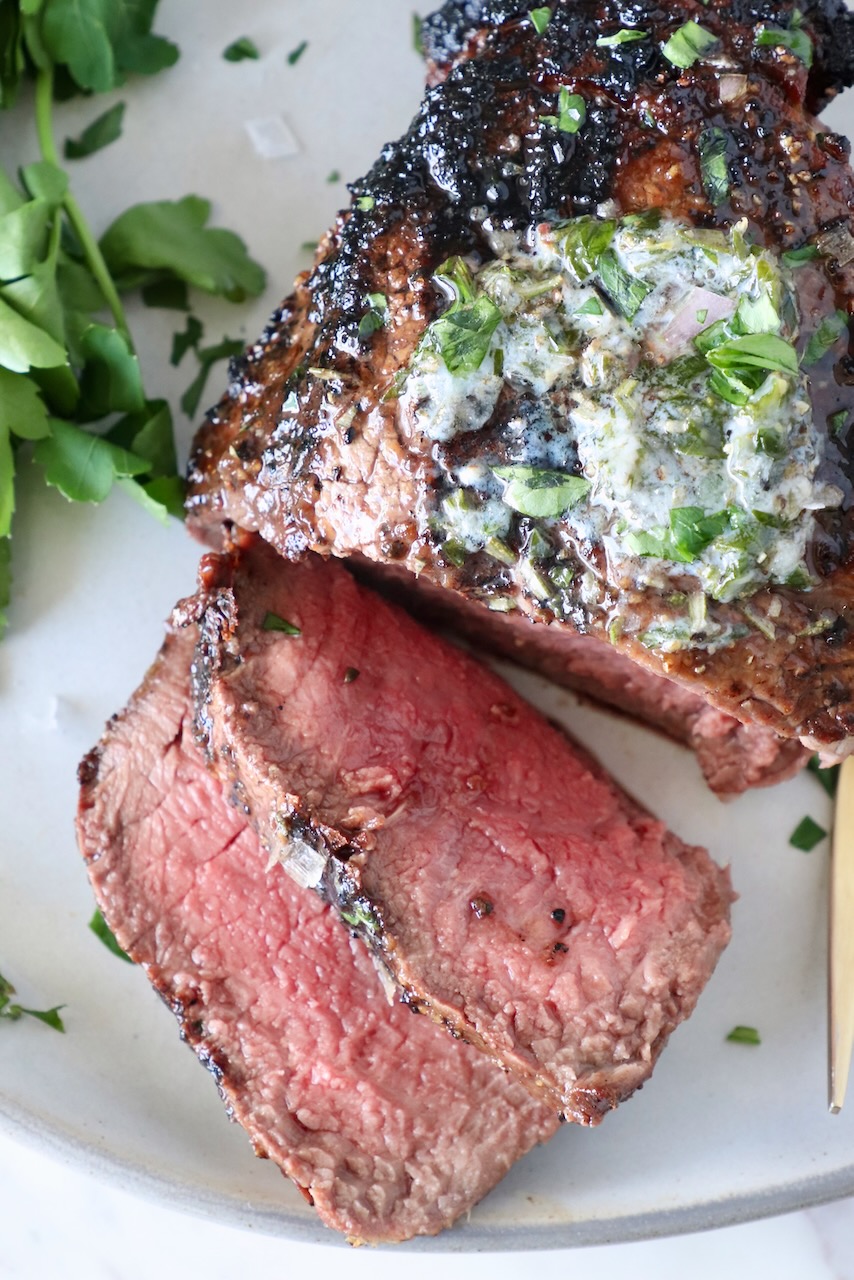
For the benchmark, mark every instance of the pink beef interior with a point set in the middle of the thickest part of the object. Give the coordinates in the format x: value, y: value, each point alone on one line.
x: 392, y: 1128
x: 523, y: 898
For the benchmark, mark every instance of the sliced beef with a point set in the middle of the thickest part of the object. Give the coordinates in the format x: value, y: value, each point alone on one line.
x: 509, y: 888
x: 390, y: 1127
x: 733, y: 756
x: 308, y: 445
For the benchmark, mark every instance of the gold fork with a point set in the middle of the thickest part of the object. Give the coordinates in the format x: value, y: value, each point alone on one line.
x: 841, y: 942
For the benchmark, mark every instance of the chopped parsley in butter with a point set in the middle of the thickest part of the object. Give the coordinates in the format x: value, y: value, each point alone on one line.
x: 660, y: 413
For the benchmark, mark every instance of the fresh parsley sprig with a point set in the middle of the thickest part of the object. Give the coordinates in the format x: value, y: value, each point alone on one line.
x: 12, y: 1012
x: 71, y: 392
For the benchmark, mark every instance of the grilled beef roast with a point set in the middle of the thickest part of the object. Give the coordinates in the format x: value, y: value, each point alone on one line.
x: 506, y: 884
x: 393, y: 410
x: 386, y: 1124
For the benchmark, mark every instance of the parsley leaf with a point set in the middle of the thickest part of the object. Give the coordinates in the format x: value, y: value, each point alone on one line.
x: 83, y: 466
x: 540, y: 18
x: 625, y: 290
x: 755, y: 351
x: 744, y: 1035
x: 463, y: 334
x: 688, y: 44
x: 826, y: 336
x: 541, y: 493
x: 170, y: 238
x: 13, y: 1012
x: 102, y: 930
x: 295, y: 54
x: 828, y: 777
x: 100, y: 133
x: 186, y: 341
x: 418, y: 34
x: 626, y: 35
x: 714, y: 170
x: 806, y: 835
x: 583, y: 241
x: 376, y: 315
x: 797, y: 257
x: 241, y: 49
x: 208, y: 357
x: 571, y: 112
x: 272, y: 622
x: 99, y: 41
x: 791, y: 38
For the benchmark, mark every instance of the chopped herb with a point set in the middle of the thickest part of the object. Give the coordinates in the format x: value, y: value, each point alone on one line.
x: 755, y: 351
x: 365, y: 203
x: 541, y: 493
x: 13, y: 1012
x: 624, y: 36
x: 592, y: 307
x: 806, y: 835
x: 462, y: 336
x: 714, y: 171
x: 309, y: 246
x: 418, y: 34
x: 702, y: 315
x: 241, y: 49
x: 831, y: 329
x: 170, y: 294
x: 828, y: 777
x: 792, y: 38
x: 102, y: 930
x: 540, y: 18
x: 186, y: 341
x: 99, y: 134
x: 626, y: 291
x: 688, y: 44
x: 208, y: 357
x: 295, y: 54
x: 376, y: 315
x: 334, y: 176
x: 351, y: 674
x: 583, y: 241
x: 797, y: 257
x: 744, y: 1035
x: 272, y: 622
x: 690, y: 531
x: 837, y: 421
x: 571, y: 113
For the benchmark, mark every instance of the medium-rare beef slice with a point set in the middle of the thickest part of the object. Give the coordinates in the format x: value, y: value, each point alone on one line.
x: 508, y: 886
x: 391, y: 1128
x: 732, y: 756
x: 506, y: 378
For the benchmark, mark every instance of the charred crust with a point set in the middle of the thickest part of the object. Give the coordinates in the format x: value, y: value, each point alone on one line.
x: 87, y: 770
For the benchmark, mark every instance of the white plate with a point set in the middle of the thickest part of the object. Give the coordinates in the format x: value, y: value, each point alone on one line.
x: 723, y: 1132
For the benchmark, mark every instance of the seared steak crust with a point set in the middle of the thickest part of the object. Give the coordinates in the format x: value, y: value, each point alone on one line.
x: 388, y: 1126
x: 505, y: 883
x: 307, y: 447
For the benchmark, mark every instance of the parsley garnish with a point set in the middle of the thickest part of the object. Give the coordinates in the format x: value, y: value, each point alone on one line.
x: 227, y: 349
x: 365, y: 203
x: 792, y: 38
x: 571, y: 113
x: 688, y: 44
x: 295, y: 54
x: 583, y: 241
x: 691, y: 530
x: 806, y: 835
x: 626, y: 35
x: 714, y: 171
x: 418, y: 34
x: 13, y: 1012
x: 241, y: 49
x: 744, y: 1035
x: 763, y: 351
x: 272, y: 622
x: 334, y: 176
x: 102, y: 930
x: 626, y: 291
x: 837, y: 421
x: 826, y: 336
x: 828, y: 777
x: 375, y: 316
x: 462, y: 336
x: 592, y: 307
x: 797, y: 257
x: 540, y: 18
x: 99, y: 134
x: 537, y: 492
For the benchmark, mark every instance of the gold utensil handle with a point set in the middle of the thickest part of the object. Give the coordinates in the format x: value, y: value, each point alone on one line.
x: 841, y: 941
